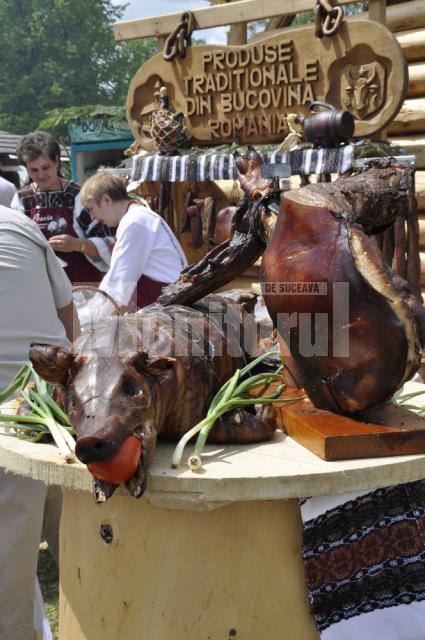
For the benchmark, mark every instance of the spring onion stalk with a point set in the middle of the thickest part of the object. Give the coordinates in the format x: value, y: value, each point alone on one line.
x: 46, y: 416
x: 19, y: 381
x: 404, y: 400
x: 234, y: 394
x: 404, y: 397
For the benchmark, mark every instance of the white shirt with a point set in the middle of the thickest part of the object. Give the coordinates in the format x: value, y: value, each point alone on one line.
x: 33, y: 286
x: 145, y: 246
x: 7, y: 192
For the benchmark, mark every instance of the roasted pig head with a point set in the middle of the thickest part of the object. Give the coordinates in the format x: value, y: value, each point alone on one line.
x: 149, y: 373
x: 353, y: 327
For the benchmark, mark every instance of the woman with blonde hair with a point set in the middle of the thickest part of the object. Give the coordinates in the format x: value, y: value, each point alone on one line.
x: 147, y: 256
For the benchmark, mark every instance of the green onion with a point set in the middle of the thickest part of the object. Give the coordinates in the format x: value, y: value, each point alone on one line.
x: 46, y: 416
x: 405, y: 400
x: 19, y: 381
x: 404, y: 397
x: 234, y: 394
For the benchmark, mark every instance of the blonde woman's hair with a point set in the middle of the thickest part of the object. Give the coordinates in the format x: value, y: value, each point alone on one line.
x: 103, y: 182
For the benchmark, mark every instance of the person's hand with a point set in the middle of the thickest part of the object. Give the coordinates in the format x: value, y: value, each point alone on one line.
x: 65, y: 243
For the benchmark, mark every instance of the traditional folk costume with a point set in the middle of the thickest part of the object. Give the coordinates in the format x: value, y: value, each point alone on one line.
x: 147, y: 256
x: 364, y: 556
x: 60, y: 212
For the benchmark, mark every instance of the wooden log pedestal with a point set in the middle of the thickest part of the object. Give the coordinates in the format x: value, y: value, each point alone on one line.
x: 209, y: 556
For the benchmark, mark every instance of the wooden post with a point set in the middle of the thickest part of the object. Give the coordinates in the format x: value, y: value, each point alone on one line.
x: 160, y: 42
x: 378, y: 11
x: 164, y: 574
x: 238, y: 34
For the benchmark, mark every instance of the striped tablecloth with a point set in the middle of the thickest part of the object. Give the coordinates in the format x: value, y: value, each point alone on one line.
x: 199, y: 167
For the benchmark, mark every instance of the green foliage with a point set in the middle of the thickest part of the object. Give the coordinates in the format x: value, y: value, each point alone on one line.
x: 258, y: 26
x: 377, y: 149
x: 129, y: 57
x: 56, y: 54
x: 48, y: 575
x: 56, y: 121
x: 356, y: 7
x: 307, y: 17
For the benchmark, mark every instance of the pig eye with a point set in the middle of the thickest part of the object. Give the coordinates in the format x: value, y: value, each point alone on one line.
x: 76, y: 366
x: 130, y: 388
x: 139, y: 362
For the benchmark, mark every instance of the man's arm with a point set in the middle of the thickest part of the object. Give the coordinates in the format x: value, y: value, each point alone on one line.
x: 69, y: 318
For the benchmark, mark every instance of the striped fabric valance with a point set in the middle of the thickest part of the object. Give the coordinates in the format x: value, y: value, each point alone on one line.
x: 199, y: 167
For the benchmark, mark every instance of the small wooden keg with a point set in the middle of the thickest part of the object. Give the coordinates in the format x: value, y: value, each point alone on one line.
x: 328, y: 128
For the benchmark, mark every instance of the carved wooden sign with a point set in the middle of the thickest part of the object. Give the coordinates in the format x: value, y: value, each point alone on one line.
x: 243, y: 93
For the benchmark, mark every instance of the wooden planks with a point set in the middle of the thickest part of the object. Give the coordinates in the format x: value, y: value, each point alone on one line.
x: 416, y: 87
x: 411, y: 118
x: 413, y: 44
x: 409, y: 15
x: 222, y: 16
x: 422, y: 231
x: 383, y: 431
x: 420, y: 190
x: 414, y: 145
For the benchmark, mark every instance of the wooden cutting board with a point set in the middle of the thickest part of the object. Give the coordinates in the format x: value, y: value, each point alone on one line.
x: 383, y: 431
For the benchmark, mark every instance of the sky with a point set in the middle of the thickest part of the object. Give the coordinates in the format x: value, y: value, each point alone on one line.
x: 146, y: 9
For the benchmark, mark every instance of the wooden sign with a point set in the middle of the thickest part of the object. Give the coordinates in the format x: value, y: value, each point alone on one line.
x: 243, y: 93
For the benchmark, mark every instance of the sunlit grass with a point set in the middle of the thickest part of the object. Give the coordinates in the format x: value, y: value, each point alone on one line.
x: 48, y: 575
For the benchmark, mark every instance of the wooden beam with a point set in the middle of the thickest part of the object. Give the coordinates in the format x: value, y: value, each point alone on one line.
x: 421, y: 231
x: 410, y: 119
x: 420, y: 190
x: 410, y: 15
x: 422, y: 259
x: 415, y: 146
x: 210, y: 17
x: 413, y: 44
x: 416, y: 86
x: 406, y: 23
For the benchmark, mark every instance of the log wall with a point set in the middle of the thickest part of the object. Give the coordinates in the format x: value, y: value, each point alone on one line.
x: 407, y: 22
x: 408, y: 128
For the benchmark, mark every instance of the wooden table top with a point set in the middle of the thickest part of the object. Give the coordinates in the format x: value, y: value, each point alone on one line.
x: 279, y: 469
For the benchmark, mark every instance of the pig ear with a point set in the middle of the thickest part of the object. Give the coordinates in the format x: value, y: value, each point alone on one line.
x: 155, y: 365
x: 51, y: 362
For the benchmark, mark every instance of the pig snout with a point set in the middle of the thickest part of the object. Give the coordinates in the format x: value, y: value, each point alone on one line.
x: 94, y: 448
x: 96, y: 444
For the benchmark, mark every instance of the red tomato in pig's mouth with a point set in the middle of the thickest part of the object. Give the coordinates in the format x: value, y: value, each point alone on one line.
x: 122, y: 466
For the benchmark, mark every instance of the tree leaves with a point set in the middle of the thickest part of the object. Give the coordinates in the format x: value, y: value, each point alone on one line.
x: 57, y: 54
